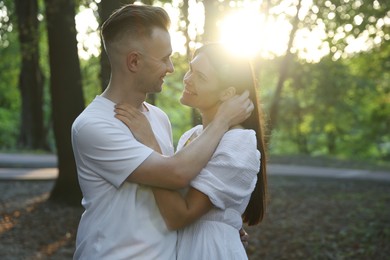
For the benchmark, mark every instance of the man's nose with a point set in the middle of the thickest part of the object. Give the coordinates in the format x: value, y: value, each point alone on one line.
x: 170, y: 67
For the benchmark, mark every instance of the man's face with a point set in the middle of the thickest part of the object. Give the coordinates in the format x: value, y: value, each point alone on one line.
x: 155, y: 61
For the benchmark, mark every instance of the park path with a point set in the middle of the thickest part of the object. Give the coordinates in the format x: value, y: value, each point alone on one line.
x: 44, y: 167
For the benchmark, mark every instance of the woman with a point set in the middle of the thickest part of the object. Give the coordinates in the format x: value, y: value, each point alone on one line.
x: 231, y: 189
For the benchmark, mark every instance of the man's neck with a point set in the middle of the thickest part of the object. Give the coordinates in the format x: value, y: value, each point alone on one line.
x: 117, y: 96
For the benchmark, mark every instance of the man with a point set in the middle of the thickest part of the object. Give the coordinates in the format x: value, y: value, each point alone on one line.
x: 121, y: 219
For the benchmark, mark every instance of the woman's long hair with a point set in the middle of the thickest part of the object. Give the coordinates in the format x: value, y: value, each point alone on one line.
x: 238, y: 72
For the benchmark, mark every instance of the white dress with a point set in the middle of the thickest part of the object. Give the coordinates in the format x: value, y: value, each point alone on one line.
x: 228, y: 180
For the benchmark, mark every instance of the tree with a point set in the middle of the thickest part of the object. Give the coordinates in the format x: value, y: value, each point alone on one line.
x: 32, y: 132
x: 66, y: 94
x: 211, y: 14
x: 348, y: 20
x: 283, y: 72
x: 9, y: 74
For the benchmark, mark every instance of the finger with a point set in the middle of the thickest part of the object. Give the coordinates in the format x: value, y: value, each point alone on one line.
x: 126, y: 107
x: 123, y: 106
x: 121, y: 112
x: 250, y: 107
x: 124, y: 119
x: 128, y: 111
x: 136, y: 113
x: 246, y: 103
x: 244, y: 95
x: 120, y: 108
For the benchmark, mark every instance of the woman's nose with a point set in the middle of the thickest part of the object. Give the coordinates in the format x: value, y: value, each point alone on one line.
x: 186, y: 78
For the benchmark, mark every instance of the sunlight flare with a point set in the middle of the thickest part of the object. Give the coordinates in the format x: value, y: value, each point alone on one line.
x: 241, y: 32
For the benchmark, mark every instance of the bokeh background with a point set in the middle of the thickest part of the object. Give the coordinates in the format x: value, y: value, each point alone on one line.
x: 323, y: 70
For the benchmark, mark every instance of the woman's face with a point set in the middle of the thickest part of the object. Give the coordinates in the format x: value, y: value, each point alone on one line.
x: 201, y: 88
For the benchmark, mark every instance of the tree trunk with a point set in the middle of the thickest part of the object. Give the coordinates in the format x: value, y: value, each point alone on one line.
x: 66, y: 94
x: 211, y: 15
x: 283, y: 73
x: 32, y: 131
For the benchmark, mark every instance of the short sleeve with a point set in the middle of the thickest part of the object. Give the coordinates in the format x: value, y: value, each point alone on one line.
x: 187, y: 135
x: 231, y: 174
x: 108, y: 149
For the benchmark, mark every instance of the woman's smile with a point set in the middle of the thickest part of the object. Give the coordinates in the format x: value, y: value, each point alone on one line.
x: 188, y: 92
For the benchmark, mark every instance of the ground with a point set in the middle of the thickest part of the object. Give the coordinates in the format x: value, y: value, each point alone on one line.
x: 308, y: 218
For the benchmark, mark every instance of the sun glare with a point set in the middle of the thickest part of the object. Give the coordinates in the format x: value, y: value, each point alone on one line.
x: 87, y: 33
x: 241, y: 32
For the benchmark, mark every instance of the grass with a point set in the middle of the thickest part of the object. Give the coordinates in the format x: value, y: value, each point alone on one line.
x: 307, y: 218
x: 315, y: 218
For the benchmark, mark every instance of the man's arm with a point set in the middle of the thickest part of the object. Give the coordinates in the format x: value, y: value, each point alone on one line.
x: 179, y: 211
x: 178, y: 170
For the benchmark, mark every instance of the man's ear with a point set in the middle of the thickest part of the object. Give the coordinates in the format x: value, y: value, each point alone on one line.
x: 228, y: 93
x: 132, y: 61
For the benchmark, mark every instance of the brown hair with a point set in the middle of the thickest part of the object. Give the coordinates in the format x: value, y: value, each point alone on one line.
x: 136, y: 20
x: 239, y: 73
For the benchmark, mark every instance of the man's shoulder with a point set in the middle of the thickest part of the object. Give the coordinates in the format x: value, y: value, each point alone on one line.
x: 154, y: 109
x: 94, y: 118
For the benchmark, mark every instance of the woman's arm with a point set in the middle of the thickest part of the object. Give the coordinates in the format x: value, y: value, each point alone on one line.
x: 175, y: 172
x: 179, y: 211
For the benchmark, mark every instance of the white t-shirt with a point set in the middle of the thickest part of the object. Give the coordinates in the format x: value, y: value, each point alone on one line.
x: 121, y: 219
x: 228, y: 180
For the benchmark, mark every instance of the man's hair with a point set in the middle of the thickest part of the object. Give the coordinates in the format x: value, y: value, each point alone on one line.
x: 134, y: 20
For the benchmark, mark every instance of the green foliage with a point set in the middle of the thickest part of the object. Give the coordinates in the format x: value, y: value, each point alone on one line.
x: 339, y: 108
x: 91, y: 84
x: 373, y: 71
x: 9, y: 92
x: 349, y: 19
x: 169, y: 99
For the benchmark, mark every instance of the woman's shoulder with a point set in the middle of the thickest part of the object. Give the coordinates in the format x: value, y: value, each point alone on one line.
x: 240, y: 134
x: 196, y: 130
x: 236, y: 141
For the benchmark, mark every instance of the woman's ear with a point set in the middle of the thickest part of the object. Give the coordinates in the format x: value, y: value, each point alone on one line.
x: 228, y: 93
x: 132, y: 61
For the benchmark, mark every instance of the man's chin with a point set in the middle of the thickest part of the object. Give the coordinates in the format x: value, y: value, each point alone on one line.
x: 155, y: 91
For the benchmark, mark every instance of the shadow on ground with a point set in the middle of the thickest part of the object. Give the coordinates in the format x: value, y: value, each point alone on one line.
x: 308, y: 218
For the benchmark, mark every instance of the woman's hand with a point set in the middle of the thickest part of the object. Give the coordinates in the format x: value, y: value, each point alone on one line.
x: 244, y: 237
x: 235, y: 110
x: 138, y: 124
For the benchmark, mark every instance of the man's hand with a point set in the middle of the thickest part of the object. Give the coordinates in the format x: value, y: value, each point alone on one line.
x: 235, y: 110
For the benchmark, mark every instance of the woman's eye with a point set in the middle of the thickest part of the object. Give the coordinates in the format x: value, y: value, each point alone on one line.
x: 201, y: 77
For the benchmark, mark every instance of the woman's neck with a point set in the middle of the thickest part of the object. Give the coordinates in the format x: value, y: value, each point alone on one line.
x: 208, y: 115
